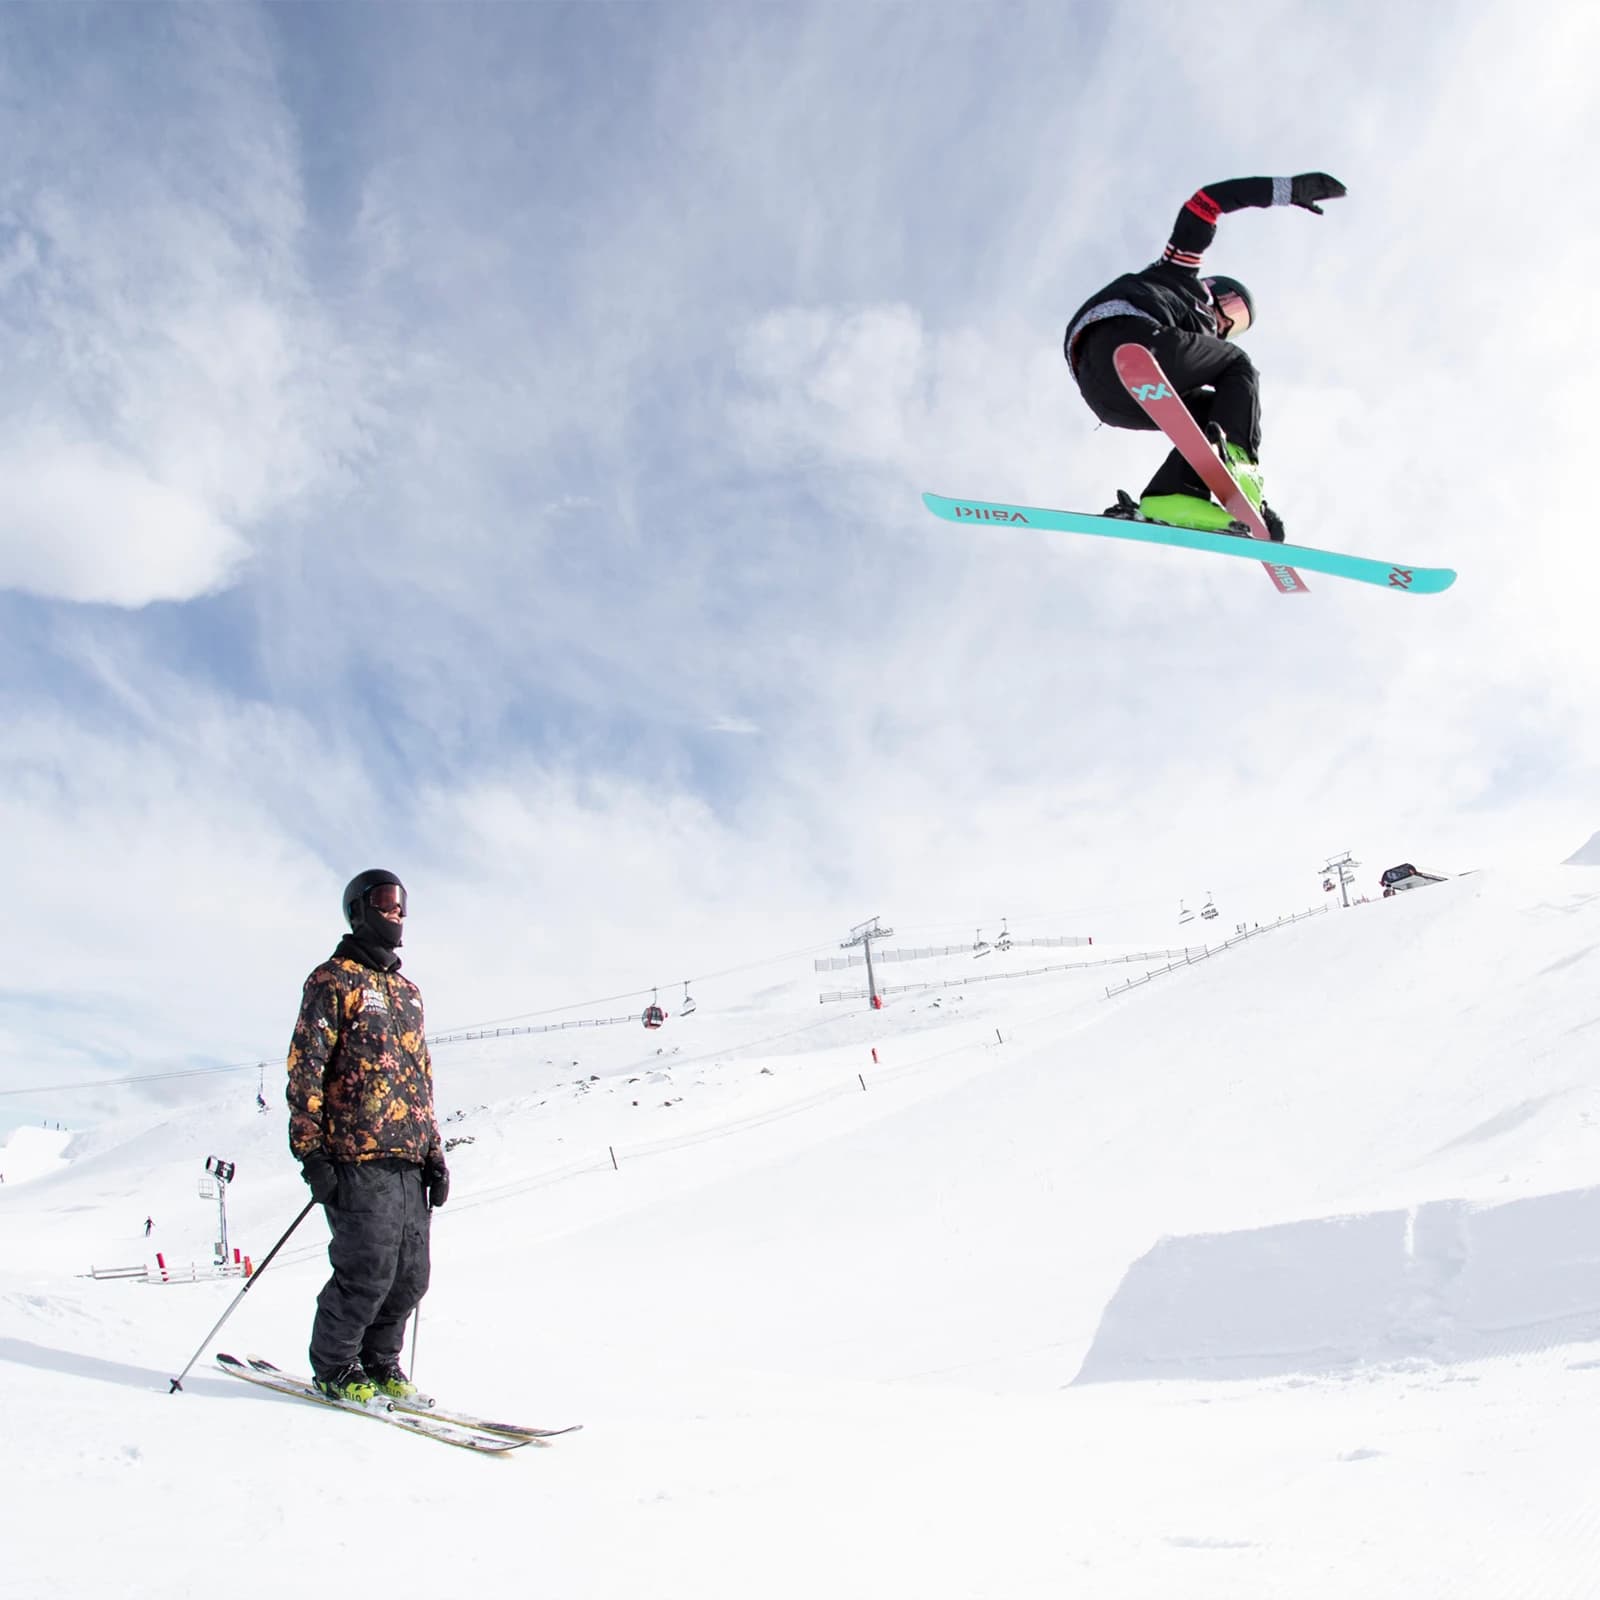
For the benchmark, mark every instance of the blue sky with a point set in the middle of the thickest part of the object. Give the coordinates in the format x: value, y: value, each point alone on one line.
x: 486, y: 440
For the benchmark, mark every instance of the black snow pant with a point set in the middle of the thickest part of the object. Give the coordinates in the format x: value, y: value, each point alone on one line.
x: 379, y: 1252
x: 1216, y: 380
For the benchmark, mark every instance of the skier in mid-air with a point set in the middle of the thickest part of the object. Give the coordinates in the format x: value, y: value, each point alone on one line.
x: 1189, y: 323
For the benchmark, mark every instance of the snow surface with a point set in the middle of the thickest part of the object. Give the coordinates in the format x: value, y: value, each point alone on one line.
x: 1277, y: 1275
x: 29, y: 1153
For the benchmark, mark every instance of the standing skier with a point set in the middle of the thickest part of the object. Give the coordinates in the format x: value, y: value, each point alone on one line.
x: 1188, y: 322
x: 362, y: 1126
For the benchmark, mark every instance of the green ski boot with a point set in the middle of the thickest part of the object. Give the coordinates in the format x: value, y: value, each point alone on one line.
x: 1247, y: 471
x: 1188, y: 511
x: 389, y: 1380
x: 350, y: 1383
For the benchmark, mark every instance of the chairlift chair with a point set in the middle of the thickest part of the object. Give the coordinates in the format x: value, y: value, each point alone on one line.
x: 1184, y: 914
x: 1209, y: 909
x: 688, y: 1001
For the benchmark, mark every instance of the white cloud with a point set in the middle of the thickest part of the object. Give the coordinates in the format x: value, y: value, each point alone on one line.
x: 168, y: 384
x: 83, y: 523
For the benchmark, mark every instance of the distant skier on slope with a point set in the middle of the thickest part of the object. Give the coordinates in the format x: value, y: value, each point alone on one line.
x: 1188, y: 322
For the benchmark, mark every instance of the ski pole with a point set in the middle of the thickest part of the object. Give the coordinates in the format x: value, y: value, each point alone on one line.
x: 255, y: 1278
x: 416, y: 1316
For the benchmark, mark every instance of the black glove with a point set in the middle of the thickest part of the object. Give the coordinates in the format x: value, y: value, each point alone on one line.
x: 323, y: 1177
x: 436, y: 1180
x: 1306, y: 188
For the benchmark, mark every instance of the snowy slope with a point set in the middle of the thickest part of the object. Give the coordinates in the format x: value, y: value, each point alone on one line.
x: 1278, y: 1274
x: 29, y: 1153
x: 1588, y: 855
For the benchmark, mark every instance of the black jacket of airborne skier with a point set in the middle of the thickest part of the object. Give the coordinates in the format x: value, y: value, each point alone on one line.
x: 1166, y: 308
x: 1168, y: 293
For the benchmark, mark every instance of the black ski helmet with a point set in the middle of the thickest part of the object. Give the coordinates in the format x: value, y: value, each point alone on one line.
x: 1218, y: 285
x: 355, y: 902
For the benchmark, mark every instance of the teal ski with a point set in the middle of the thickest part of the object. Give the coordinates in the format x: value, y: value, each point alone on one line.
x: 1406, y: 578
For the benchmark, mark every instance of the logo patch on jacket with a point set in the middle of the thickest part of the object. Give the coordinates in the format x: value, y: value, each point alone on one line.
x: 371, y: 1000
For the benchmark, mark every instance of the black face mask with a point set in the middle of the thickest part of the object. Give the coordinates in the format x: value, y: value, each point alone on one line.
x: 361, y: 947
x: 380, y: 931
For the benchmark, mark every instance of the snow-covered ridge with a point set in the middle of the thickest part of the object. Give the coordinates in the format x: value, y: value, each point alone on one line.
x: 1588, y: 855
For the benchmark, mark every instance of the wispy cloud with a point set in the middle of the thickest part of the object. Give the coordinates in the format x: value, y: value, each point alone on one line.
x: 169, y: 385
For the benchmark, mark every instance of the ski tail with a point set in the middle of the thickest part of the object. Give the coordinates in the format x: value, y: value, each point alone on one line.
x: 1143, y: 378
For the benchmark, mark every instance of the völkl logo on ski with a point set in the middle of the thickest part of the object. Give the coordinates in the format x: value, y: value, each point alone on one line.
x: 991, y: 513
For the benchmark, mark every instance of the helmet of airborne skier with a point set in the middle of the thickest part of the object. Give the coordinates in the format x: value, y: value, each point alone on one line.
x: 367, y: 897
x: 1231, y: 305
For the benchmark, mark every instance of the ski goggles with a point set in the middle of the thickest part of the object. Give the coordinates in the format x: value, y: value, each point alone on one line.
x: 1232, y: 312
x: 387, y: 899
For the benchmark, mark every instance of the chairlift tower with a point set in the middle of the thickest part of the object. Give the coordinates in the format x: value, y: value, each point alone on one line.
x: 1344, y: 868
x: 863, y: 934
